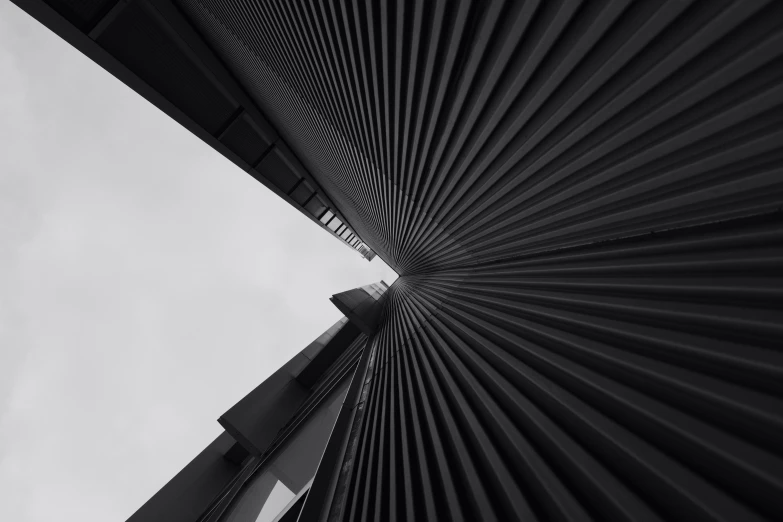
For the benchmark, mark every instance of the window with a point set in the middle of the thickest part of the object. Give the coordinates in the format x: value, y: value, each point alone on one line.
x: 261, y: 501
x: 335, y: 224
x: 326, y: 217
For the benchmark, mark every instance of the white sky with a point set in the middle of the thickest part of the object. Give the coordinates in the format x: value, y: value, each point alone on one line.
x: 146, y: 285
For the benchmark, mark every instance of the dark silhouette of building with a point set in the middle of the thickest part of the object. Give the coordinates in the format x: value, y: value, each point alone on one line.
x: 582, y: 200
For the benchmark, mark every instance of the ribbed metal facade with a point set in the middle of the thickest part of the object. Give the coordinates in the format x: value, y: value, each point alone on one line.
x: 454, y: 133
x: 583, y: 201
x: 636, y: 379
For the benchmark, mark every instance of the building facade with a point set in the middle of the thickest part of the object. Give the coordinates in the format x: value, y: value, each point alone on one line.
x: 583, y: 202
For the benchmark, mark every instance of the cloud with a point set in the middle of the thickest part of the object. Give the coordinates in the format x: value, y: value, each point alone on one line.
x: 146, y: 285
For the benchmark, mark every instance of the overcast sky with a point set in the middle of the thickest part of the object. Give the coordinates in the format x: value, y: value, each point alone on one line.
x: 146, y: 285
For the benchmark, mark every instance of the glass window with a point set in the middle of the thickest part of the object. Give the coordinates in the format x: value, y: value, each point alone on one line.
x: 326, y: 217
x: 335, y: 224
x: 261, y: 500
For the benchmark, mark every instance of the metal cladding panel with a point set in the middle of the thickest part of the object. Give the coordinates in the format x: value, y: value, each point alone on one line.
x: 638, y: 379
x: 340, y: 369
x: 82, y: 13
x: 142, y: 44
x: 454, y: 133
x: 244, y: 141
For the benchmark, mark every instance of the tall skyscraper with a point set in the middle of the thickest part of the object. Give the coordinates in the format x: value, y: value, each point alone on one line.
x: 583, y: 202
